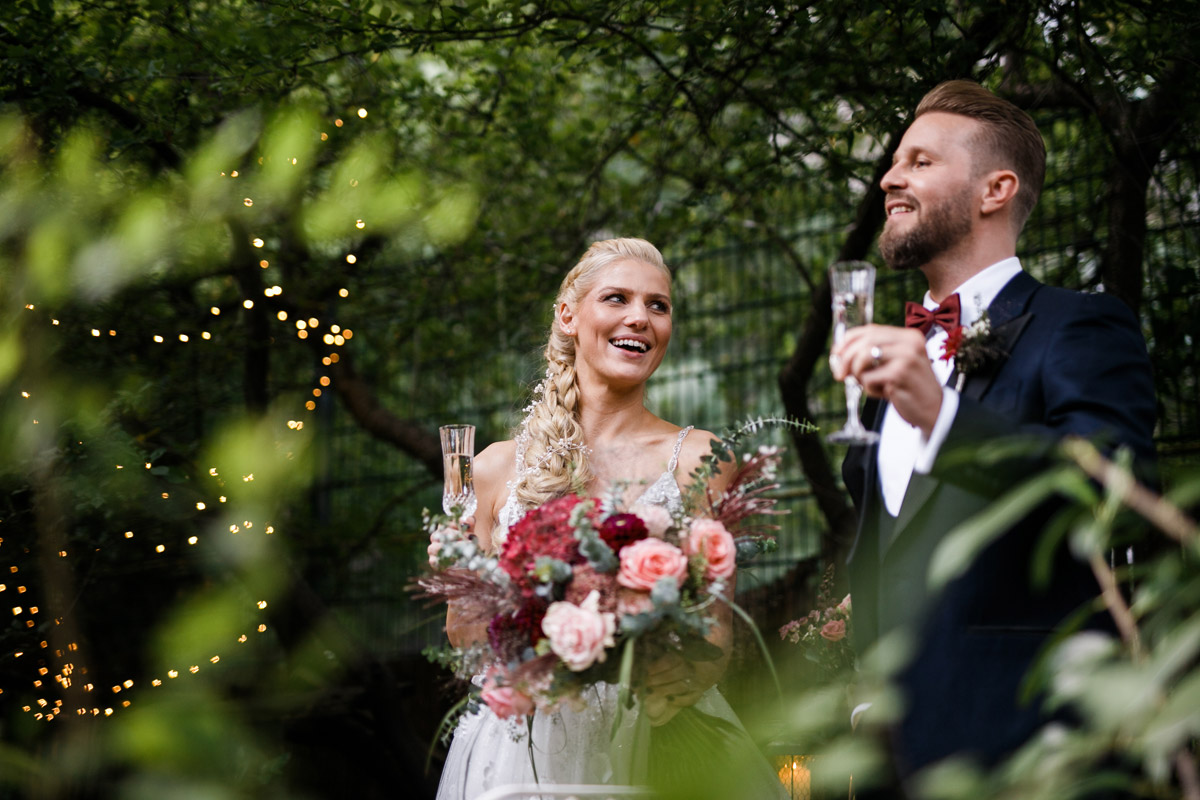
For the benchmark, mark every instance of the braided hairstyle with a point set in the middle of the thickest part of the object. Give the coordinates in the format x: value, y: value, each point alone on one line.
x: 551, y: 454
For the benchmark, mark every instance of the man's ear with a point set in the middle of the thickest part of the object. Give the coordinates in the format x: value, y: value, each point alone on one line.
x: 1001, y: 188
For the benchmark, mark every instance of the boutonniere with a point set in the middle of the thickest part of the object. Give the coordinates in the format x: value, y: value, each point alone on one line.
x: 972, y: 347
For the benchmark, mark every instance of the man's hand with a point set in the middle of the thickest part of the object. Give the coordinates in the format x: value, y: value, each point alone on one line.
x: 891, y: 363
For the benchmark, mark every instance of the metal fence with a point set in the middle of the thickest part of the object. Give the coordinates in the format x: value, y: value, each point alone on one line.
x: 738, y: 311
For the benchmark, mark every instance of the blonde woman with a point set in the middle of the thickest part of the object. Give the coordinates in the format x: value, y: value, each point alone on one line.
x: 588, y: 427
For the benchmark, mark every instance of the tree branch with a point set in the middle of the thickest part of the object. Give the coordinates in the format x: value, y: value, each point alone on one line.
x: 256, y: 367
x: 360, y: 400
x: 1163, y: 515
x: 811, y: 350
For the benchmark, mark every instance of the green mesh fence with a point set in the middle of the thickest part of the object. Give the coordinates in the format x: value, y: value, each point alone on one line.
x: 738, y: 312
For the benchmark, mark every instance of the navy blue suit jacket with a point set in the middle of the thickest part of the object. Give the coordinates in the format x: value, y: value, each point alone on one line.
x: 1076, y: 364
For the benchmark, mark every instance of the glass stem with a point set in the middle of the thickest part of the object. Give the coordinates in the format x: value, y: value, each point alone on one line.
x: 853, y: 394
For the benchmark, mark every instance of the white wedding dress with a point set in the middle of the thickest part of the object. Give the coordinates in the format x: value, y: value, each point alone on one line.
x: 566, y: 746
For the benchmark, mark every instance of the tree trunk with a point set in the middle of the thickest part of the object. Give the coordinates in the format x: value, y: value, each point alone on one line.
x: 811, y: 349
x: 1140, y: 132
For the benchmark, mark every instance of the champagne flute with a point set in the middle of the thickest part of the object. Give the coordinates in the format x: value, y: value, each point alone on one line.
x: 458, y: 456
x: 852, y: 285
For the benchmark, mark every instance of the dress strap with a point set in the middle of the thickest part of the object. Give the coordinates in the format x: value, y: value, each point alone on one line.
x: 674, y: 462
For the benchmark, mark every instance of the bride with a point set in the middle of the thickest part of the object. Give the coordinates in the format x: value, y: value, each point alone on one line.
x: 588, y: 427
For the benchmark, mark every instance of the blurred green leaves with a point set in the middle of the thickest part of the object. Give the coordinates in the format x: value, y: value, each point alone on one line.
x: 190, y: 742
x: 172, y: 504
x: 966, y: 541
x: 1133, y: 702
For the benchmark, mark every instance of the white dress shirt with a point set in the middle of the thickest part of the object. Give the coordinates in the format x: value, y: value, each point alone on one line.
x: 903, y: 448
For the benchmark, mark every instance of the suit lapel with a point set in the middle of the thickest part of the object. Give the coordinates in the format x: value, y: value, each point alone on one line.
x: 920, y: 490
x: 1007, y: 334
x: 865, y: 459
x: 1009, y: 317
x: 872, y: 413
x: 872, y: 416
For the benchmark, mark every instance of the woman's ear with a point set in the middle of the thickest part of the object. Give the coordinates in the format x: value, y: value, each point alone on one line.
x: 1001, y: 188
x: 566, y: 319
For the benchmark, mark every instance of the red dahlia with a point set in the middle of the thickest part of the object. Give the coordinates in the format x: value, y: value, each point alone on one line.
x: 543, y: 531
x: 585, y: 580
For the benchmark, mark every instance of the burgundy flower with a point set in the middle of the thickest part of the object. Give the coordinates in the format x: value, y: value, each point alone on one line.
x: 510, y: 634
x: 543, y: 531
x: 622, y: 529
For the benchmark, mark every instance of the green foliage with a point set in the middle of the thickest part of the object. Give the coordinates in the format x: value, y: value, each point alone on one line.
x: 154, y: 155
x: 1134, y: 699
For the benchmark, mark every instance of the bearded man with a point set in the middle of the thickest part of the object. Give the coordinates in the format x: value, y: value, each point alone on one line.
x: 1036, y: 361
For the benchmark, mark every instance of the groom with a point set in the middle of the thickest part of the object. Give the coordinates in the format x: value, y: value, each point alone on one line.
x: 1046, y: 363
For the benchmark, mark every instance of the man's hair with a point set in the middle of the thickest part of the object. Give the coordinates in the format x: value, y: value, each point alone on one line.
x: 1008, y: 133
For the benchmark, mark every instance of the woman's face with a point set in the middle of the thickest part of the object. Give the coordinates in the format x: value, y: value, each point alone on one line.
x: 622, y: 323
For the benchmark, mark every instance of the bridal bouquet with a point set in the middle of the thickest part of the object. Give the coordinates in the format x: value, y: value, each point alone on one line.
x: 578, y: 580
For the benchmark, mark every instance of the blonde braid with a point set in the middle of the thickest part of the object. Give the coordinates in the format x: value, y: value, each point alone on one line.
x: 551, y: 453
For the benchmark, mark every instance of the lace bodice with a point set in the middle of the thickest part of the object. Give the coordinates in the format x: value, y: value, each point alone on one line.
x: 663, y: 492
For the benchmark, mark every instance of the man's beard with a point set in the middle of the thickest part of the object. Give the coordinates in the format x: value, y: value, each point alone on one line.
x: 943, y: 226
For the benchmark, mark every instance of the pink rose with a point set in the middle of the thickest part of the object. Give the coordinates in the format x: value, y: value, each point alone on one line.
x: 505, y: 701
x: 658, y: 520
x: 845, y: 604
x: 834, y: 630
x: 578, y: 634
x: 709, y: 538
x: 633, y: 602
x: 644, y: 562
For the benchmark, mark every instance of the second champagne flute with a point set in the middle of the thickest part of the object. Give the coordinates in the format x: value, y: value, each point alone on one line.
x: 852, y: 285
x: 458, y: 456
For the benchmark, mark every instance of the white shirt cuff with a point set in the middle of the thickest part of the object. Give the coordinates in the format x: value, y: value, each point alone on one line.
x: 927, y: 449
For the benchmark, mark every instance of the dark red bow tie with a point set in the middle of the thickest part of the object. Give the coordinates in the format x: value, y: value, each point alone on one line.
x: 946, y: 315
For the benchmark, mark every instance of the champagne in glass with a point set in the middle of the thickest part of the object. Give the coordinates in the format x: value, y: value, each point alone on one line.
x: 458, y: 456
x: 852, y: 285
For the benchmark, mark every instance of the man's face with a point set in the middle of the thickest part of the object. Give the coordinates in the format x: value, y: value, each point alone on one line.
x: 932, y: 195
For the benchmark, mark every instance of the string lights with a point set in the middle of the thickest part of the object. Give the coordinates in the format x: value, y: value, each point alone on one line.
x: 47, y: 710
x: 70, y: 677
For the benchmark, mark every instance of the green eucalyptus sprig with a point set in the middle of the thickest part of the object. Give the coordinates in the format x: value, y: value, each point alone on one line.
x: 724, y: 447
x: 747, y: 493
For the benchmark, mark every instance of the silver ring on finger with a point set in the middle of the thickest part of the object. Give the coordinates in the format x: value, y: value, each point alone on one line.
x: 876, y: 356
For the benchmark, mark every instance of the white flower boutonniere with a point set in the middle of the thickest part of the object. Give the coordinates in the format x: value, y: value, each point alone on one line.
x: 972, y: 347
